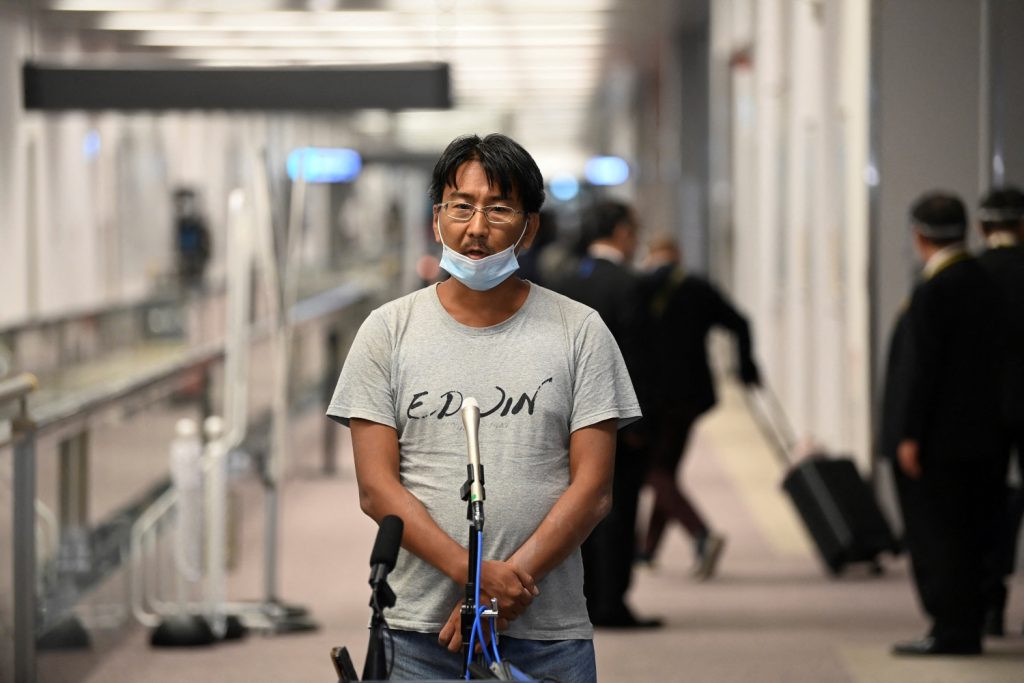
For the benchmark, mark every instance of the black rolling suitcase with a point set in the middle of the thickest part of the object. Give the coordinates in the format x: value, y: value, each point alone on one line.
x: 836, y: 505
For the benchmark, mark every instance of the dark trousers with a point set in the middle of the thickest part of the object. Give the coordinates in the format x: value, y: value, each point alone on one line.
x: 949, y: 517
x: 672, y: 424
x: 608, y: 551
x: 1001, y: 560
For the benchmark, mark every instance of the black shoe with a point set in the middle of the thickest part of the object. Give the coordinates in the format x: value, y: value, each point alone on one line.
x: 931, y: 645
x: 623, y: 619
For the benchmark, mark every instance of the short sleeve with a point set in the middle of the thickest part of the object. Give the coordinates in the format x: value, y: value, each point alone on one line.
x: 602, y: 388
x: 364, y: 389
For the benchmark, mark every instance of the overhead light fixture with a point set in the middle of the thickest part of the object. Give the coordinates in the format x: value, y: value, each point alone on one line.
x: 353, y: 39
x: 350, y: 20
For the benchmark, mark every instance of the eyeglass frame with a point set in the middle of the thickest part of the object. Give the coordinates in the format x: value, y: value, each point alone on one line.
x: 443, y: 207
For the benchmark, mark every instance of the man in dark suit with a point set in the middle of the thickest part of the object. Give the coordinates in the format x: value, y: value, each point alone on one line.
x: 683, y: 309
x: 945, y: 429
x: 1001, y: 218
x: 603, y: 280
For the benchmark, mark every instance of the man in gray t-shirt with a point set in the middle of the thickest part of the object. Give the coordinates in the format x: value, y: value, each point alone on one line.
x: 552, y: 390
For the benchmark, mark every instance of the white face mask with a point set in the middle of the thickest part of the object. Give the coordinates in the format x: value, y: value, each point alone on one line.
x: 480, y: 274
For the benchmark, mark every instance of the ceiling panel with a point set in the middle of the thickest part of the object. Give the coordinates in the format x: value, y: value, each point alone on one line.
x: 530, y: 67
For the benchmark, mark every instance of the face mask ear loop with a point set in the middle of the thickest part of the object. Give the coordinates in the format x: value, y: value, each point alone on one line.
x: 439, y: 235
x: 521, y: 236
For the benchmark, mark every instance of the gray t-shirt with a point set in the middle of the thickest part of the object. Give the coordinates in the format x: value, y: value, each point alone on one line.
x: 550, y: 369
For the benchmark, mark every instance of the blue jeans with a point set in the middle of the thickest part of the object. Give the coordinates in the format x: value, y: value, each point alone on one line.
x: 418, y: 656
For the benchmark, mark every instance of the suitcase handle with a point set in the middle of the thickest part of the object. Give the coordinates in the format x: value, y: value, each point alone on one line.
x: 771, y: 419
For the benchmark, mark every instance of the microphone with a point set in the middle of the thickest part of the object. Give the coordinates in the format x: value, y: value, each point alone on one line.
x: 385, y: 548
x: 471, y: 421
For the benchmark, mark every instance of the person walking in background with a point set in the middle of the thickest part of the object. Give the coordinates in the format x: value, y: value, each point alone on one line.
x: 191, y: 238
x: 684, y: 308
x: 941, y: 426
x: 602, y: 279
x: 1001, y: 219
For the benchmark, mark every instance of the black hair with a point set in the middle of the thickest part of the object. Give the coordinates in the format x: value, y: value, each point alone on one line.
x: 600, y: 219
x: 508, y: 166
x: 1002, y: 208
x: 940, y: 218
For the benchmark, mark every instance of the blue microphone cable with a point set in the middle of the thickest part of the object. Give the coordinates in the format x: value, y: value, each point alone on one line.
x: 478, y: 628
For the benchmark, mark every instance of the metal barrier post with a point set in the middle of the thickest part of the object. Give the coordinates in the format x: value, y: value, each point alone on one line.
x: 73, y: 508
x: 24, y: 552
x: 331, y: 372
x: 24, y: 560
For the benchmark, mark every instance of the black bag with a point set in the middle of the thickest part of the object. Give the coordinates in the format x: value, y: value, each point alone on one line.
x: 837, y: 506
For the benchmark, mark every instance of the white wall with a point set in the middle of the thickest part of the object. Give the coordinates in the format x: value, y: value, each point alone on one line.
x: 929, y: 88
x: 12, y: 170
x: 813, y: 178
x: 797, y: 220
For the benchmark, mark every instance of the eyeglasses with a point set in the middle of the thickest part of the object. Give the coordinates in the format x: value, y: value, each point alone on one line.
x: 462, y: 212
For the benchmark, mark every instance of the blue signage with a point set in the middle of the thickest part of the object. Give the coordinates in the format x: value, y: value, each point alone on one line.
x: 324, y: 164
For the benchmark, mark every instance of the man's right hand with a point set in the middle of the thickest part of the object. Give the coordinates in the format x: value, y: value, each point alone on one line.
x: 513, y: 587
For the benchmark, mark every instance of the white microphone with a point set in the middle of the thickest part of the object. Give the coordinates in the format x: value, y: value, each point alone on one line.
x: 471, y: 421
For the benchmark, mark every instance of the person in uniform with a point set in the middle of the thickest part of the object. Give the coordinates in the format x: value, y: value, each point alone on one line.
x: 942, y: 427
x: 603, y: 280
x: 1001, y: 219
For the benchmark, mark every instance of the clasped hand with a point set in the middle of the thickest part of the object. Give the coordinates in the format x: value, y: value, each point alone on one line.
x: 511, y: 586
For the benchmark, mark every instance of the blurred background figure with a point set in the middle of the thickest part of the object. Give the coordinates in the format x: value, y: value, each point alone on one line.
x: 683, y: 309
x: 603, y: 280
x: 944, y: 430
x: 428, y: 269
x: 539, y: 263
x: 192, y: 239
x: 1001, y: 219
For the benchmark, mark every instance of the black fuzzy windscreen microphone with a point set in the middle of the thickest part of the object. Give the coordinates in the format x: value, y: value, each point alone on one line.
x: 385, y: 548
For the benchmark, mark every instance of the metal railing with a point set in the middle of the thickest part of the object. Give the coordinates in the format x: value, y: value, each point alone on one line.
x: 67, y: 417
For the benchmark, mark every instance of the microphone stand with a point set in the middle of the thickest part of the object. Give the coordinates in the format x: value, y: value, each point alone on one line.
x: 475, y: 515
x: 375, y: 667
